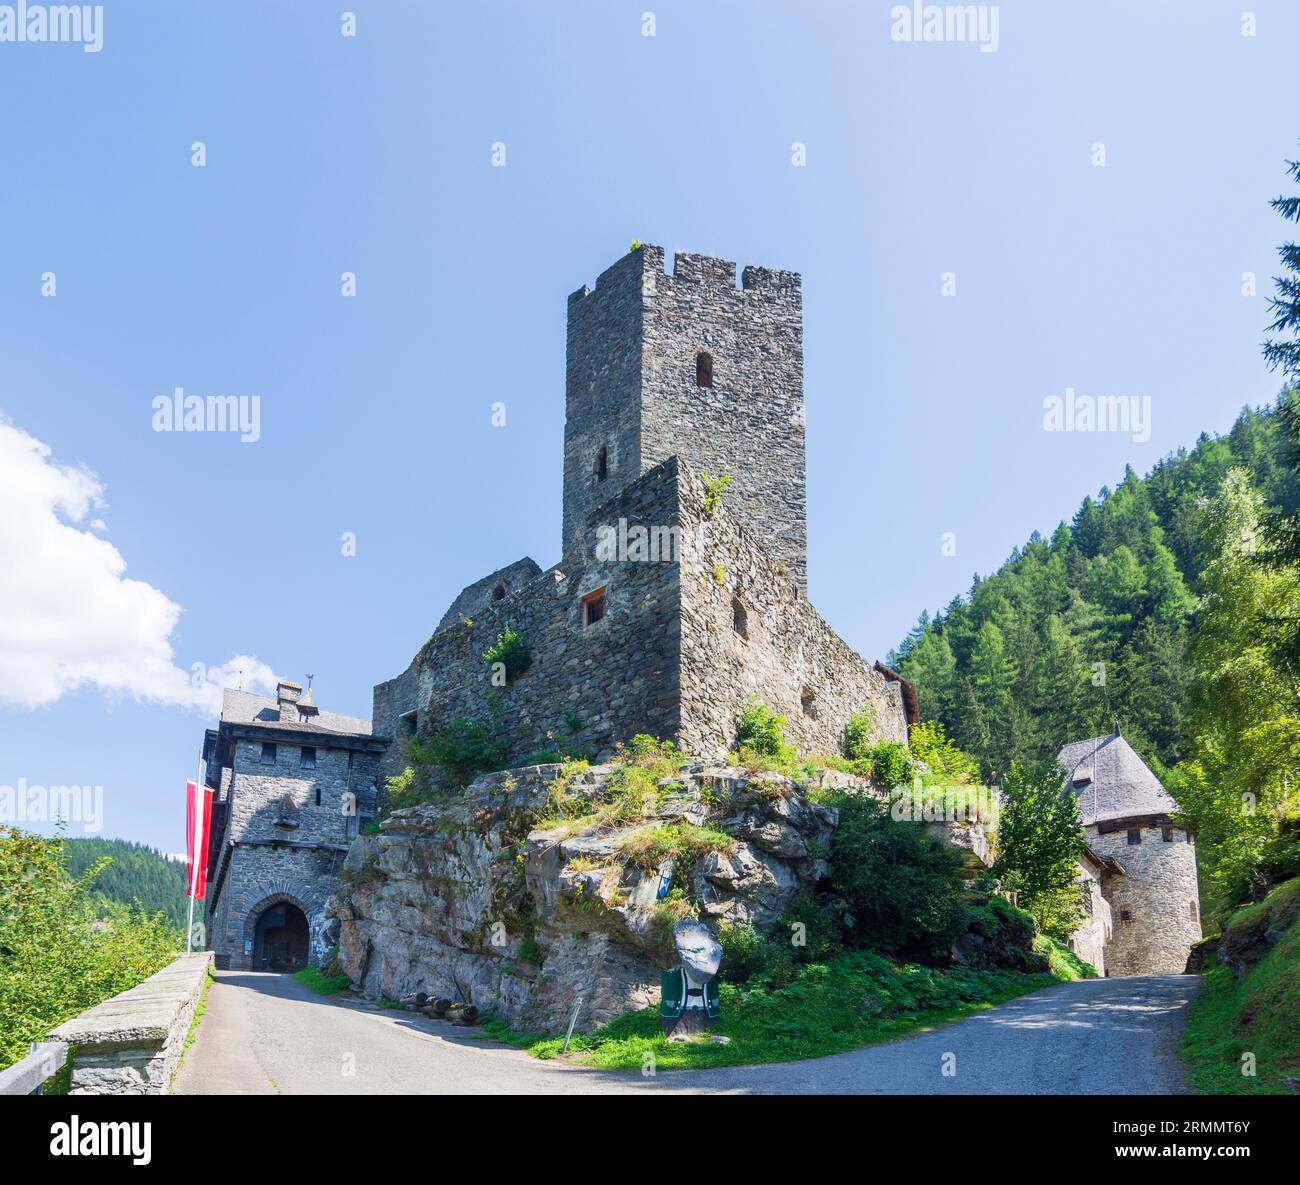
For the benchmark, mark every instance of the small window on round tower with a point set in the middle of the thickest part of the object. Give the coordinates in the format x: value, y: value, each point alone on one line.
x: 703, y: 369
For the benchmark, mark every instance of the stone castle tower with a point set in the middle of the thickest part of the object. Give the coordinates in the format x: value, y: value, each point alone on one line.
x: 671, y: 379
x: 692, y: 366
x: 1145, y: 865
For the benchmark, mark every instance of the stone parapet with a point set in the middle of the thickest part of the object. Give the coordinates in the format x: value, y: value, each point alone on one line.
x: 131, y: 1043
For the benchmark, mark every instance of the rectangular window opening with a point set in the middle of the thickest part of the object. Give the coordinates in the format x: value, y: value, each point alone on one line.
x: 268, y: 753
x: 593, y: 607
x: 307, y: 759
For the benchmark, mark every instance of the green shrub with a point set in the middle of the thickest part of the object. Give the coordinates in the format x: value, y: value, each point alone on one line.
x: 762, y: 731
x: 714, y: 488
x: 944, y: 762
x: 859, y: 733
x: 889, y: 764
x: 509, y: 650
x: 808, y: 933
x: 321, y: 983
x: 55, y: 959
x: 903, y: 888
x: 404, y: 789
x: 462, y: 749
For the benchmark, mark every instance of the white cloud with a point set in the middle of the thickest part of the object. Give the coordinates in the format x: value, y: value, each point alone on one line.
x: 69, y: 617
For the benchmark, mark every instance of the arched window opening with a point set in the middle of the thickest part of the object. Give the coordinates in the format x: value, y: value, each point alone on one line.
x: 703, y: 369
x: 499, y: 593
x: 739, y: 618
x: 807, y: 702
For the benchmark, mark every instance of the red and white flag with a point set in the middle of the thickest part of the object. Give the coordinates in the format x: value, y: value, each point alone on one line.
x: 198, y: 815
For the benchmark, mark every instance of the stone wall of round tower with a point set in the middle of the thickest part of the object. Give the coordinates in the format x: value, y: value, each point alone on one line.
x: 1155, y: 908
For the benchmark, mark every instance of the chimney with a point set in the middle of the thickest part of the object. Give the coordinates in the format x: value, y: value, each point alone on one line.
x: 287, y: 695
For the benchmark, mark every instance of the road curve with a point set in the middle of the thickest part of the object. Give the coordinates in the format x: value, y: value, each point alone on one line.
x: 268, y: 1034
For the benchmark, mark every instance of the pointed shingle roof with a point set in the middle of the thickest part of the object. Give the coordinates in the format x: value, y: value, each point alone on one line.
x: 1111, y: 781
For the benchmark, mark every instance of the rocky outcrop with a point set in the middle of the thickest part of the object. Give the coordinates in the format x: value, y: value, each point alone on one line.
x: 998, y: 937
x: 474, y: 901
x: 1252, y: 931
x: 470, y: 900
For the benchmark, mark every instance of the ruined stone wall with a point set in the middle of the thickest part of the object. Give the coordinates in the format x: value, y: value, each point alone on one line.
x: 616, y: 677
x: 786, y: 655
x: 395, y: 713
x: 665, y: 658
x: 1158, y: 891
x: 632, y: 389
x: 478, y: 596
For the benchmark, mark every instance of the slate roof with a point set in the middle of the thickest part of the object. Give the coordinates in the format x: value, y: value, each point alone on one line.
x: 1111, y: 781
x: 243, y: 707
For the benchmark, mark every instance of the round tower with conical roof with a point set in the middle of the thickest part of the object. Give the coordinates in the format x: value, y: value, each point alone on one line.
x: 1151, y: 882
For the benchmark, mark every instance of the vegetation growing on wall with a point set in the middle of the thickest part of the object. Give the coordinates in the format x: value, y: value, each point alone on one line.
x: 761, y: 733
x: 714, y: 488
x: 459, y: 750
x: 509, y: 650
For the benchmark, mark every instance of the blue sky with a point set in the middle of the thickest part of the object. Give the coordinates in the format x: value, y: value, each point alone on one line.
x: 372, y: 155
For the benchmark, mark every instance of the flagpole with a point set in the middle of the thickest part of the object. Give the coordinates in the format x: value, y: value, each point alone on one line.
x: 194, y: 863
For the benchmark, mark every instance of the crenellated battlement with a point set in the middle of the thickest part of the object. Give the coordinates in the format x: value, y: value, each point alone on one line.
x: 685, y: 363
x: 645, y: 268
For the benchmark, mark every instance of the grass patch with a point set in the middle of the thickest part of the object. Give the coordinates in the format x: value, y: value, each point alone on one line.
x: 1254, y: 1015
x: 856, y: 998
x: 1064, y: 962
x: 193, y: 1031
x: 686, y: 843
x: 320, y: 983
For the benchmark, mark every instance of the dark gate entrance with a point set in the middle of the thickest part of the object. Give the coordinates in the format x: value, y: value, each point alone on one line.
x: 280, y: 941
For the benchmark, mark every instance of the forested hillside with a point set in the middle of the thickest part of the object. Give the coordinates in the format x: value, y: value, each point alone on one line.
x: 1093, y: 623
x: 137, y: 874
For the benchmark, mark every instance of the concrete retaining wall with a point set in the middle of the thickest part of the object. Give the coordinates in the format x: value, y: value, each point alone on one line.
x: 131, y: 1044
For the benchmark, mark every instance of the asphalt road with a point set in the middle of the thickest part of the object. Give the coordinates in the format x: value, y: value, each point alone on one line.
x: 267, y: 1034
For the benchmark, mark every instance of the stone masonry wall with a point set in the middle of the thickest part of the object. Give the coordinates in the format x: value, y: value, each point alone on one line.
x: 787, y: 655
x: 602, y: 390
x: 631, y: 388
x: 617, y: 676
x: 1089, y: 940
x: 132, y: 1042
x: 1159, y: 891
x: 395, y: 713
x: 270, y: 862
x: 664, y: 659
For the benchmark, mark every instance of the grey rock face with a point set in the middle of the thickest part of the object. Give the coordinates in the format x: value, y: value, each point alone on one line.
x: 472, y: 901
